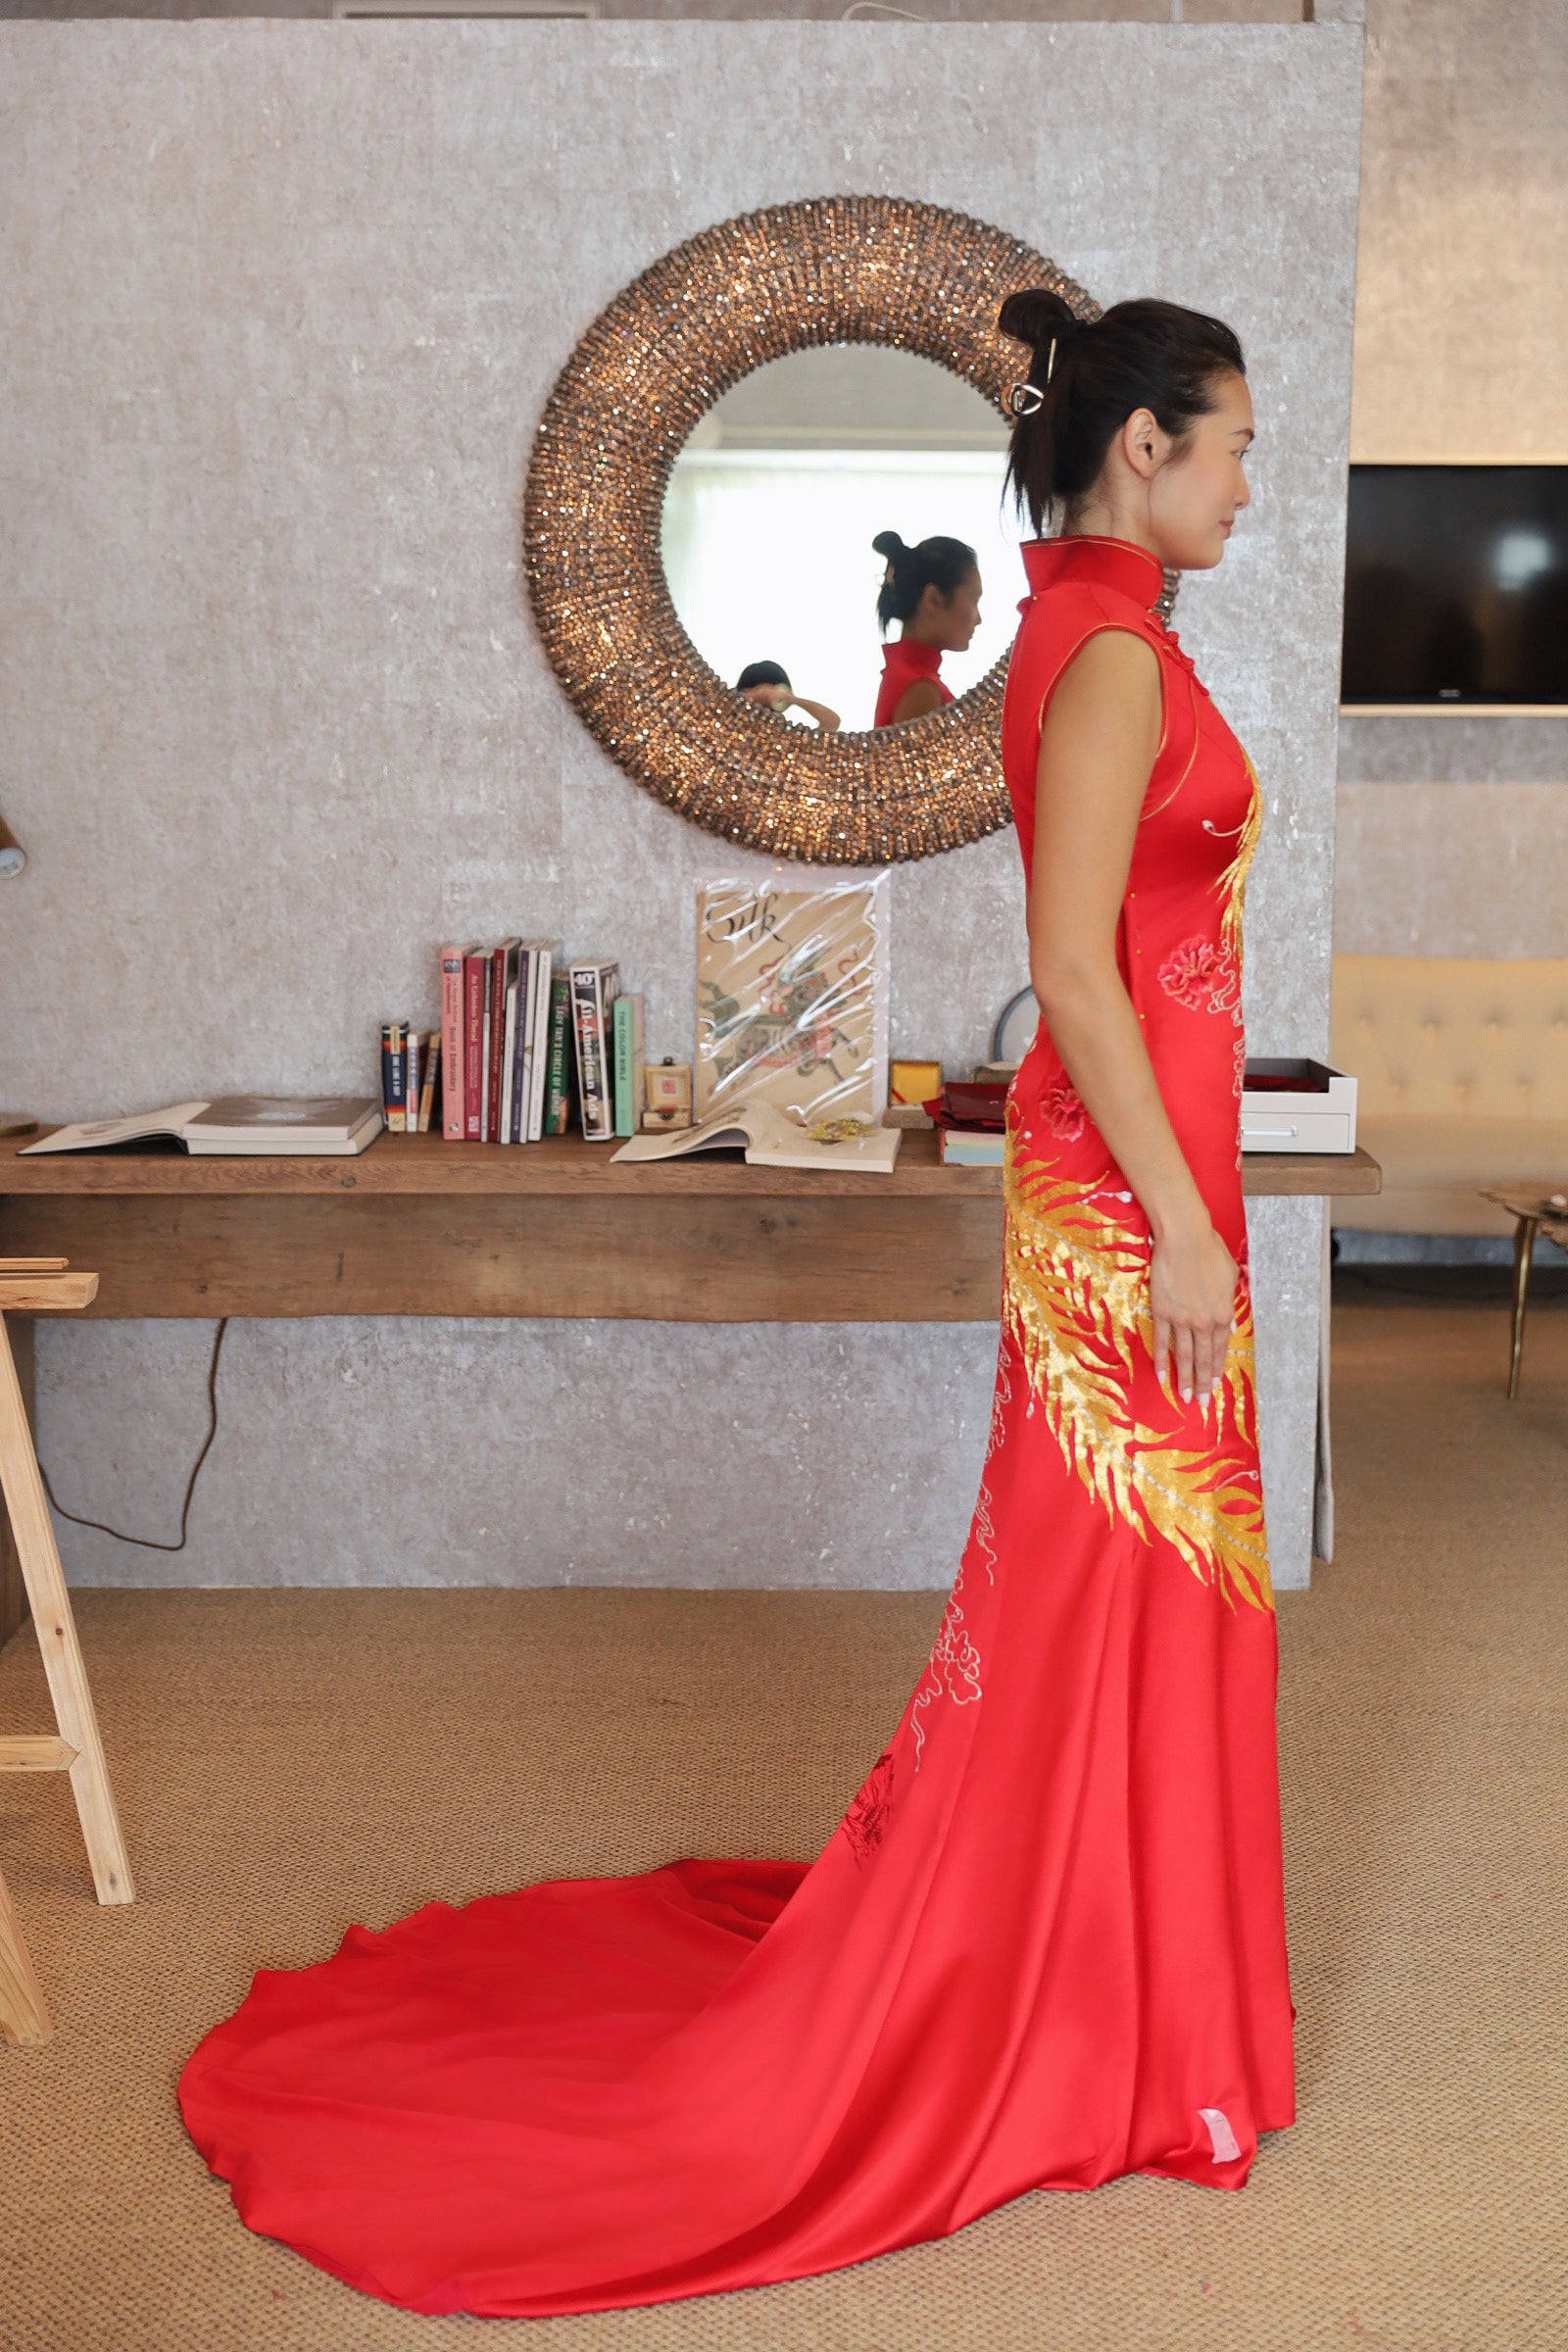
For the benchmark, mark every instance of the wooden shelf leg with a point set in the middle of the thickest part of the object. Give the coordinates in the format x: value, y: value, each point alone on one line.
x: 13, y: 1591
x: 45, y: 1583
x: 24, y: 2019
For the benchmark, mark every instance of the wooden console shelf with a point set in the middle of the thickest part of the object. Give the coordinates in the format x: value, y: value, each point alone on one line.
x: 416, y: 1226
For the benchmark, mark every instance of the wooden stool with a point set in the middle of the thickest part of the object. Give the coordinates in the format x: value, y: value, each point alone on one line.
x: 40, y: 1286
x: 22, y: 2015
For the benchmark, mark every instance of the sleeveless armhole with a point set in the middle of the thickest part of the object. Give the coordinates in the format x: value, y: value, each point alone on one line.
x: 941, y: 703
x: 1103, y: 629
x: 1057, y: 625
x: 1098, y: 629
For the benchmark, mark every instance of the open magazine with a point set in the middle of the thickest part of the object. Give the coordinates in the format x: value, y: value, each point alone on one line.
x: 325, y: 1126
x: 770, y: 1140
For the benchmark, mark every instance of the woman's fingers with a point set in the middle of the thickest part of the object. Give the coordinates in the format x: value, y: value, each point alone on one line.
x: 1203, y: 1374
x: 1194, y: 1354
x: 1193, y: 1306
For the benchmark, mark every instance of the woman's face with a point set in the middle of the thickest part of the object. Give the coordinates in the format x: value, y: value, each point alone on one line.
x: 1196, y: 494
x: 949, y: 622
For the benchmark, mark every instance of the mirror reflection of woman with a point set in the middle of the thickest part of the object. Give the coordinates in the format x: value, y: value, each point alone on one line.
x: 1045, y: 1947
x: 933, y: 592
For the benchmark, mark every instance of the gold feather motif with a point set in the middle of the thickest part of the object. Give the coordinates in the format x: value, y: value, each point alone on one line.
x: 1232, y: 881
x: 1075, y: 1298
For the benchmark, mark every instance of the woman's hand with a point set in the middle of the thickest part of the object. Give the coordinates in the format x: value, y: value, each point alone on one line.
x: 1192, y: 1290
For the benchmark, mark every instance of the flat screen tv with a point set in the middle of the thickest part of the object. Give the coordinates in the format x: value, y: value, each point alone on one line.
x: 1456, y: 587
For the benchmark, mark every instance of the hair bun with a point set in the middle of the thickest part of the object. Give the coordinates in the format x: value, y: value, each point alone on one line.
x: 891, y: 545
x: 1035, y: 315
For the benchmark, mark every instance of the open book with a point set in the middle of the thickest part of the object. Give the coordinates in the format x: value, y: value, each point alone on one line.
x: 325, y: 1126
x: 770, y: 1140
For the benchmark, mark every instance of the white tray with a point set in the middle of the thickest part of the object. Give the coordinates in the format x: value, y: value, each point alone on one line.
x: 1313, y: 1110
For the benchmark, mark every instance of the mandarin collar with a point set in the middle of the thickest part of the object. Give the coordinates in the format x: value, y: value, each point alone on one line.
x: 915, y: 651
x: 1115, y: 563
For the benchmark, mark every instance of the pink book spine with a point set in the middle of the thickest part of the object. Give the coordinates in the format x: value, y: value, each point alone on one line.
x: 452, y: 1056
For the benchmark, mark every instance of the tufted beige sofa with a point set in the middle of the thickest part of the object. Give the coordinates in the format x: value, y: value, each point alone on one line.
x: 1463, y: 1081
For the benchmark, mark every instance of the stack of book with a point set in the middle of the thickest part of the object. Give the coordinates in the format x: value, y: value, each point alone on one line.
x: 501, y: 1029
x: 411, y: 1077
x: 522, y: 1049
x: 971, y: 1123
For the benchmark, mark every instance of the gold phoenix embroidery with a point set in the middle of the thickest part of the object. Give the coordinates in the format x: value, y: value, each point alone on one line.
x: 1075, y: 1297
x: 1232, y: 881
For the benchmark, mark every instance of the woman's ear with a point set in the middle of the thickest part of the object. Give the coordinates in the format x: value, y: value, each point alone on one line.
x: 1145, y: 444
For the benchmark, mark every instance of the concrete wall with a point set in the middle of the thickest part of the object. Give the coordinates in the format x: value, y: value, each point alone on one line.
x: 1126, y: 12
x: 1453, y: 832
x: 278, y: 308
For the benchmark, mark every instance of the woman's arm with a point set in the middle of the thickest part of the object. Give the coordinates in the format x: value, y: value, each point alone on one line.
x: 917, y: 701
x: 826, y: 719
x: 1097, y: 752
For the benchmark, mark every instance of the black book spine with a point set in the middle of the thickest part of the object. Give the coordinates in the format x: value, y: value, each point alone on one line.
x: 587, y: 1003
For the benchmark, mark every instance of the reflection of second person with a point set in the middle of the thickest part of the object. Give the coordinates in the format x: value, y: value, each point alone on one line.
x: 768, y: 683
x: 934, y: 590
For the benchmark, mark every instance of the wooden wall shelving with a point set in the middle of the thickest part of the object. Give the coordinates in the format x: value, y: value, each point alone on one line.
x: 416, y: 1226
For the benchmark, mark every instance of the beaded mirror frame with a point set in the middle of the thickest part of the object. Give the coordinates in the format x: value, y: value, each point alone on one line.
x: 838, y: 270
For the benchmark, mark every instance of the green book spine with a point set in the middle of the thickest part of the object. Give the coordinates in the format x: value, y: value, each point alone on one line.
x: 558, y: 1070
x: 628, y: 1055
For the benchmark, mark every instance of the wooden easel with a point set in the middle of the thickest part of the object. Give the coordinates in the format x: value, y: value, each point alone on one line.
x: 40, y: 1286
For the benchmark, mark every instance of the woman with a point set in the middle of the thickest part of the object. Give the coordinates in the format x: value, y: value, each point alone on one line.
x: 768, y: 683
x: 934, y: 589
x: 1045, y: 1947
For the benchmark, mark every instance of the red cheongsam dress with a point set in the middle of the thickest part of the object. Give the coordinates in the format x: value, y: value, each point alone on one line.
x: 1045, y: 1945
x: 904, y: 661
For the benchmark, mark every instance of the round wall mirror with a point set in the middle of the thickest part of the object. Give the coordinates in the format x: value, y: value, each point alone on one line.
x: 776, y: 498
x: 711, y: 465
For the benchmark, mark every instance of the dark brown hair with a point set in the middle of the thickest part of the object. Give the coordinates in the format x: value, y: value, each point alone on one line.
x: 1141, y: 355
x: 940, y: 564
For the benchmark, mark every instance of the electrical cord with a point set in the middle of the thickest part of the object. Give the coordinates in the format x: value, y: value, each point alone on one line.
x: 149, y: 1543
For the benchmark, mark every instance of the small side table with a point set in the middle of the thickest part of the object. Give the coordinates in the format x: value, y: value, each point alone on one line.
x: 1533, y: 1213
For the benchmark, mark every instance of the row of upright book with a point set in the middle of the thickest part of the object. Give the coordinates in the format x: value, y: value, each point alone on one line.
x: 523, y: 1050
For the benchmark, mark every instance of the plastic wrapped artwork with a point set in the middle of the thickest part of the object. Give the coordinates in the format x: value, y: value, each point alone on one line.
x: 792, y: 997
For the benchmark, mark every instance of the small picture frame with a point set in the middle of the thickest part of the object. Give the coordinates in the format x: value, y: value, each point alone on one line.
x: 666, y: 1095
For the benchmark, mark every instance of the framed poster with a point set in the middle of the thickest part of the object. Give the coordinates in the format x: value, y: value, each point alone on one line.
x: 792, y: 997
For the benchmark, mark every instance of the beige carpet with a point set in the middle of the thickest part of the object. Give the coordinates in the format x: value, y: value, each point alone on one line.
x: 289, y: 1762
